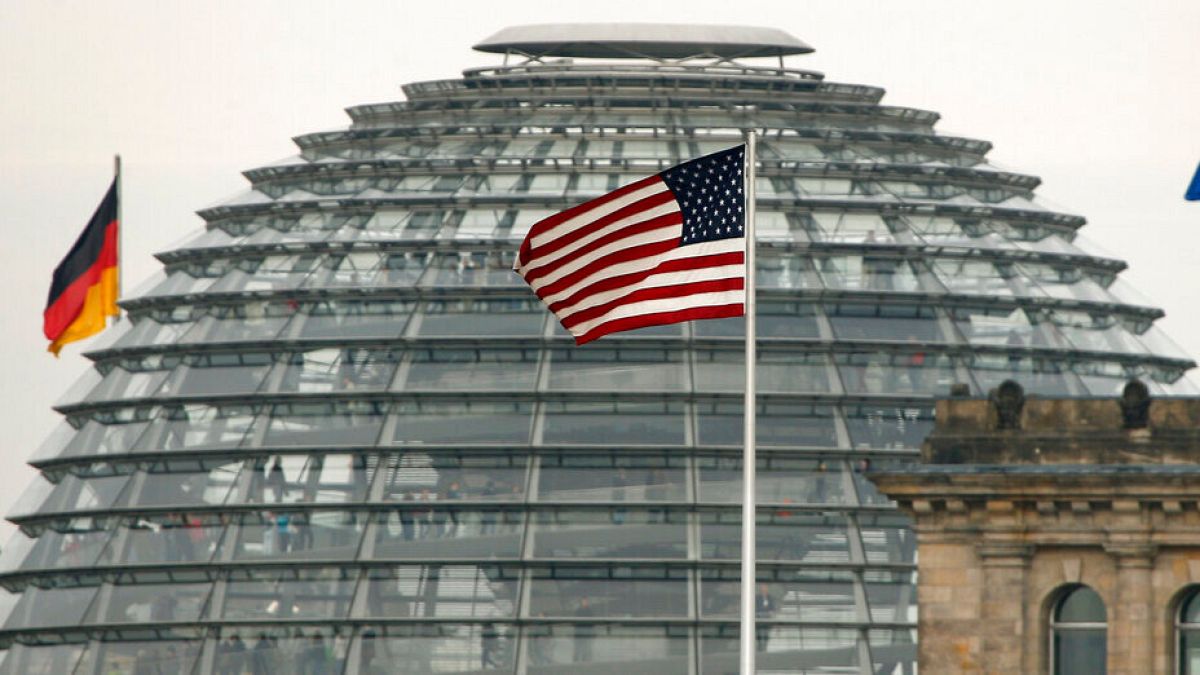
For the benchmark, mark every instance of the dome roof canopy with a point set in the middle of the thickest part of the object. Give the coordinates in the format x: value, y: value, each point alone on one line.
x: 641, y: 40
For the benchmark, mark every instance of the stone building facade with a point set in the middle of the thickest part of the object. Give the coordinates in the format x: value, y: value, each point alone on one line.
x: 1018, y: 503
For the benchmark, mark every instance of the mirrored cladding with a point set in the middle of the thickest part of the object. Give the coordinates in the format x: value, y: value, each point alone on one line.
x: 339, y: 434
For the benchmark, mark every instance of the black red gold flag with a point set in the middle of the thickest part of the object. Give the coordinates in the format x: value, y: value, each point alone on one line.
x: 84, y: 291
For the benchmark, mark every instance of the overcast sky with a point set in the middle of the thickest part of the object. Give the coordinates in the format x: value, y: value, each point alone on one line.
x: 1101, y: 99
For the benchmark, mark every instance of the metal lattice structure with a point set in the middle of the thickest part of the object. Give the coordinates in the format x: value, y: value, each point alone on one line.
x: 339, y: 428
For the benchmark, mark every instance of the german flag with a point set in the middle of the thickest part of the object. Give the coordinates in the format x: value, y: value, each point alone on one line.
x: 84, y: 291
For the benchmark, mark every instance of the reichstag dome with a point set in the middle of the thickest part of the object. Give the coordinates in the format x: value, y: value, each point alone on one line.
x: 340, y: 435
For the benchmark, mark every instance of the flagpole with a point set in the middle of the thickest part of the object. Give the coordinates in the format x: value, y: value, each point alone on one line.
x: 748, y: 635
x: 120, y: 233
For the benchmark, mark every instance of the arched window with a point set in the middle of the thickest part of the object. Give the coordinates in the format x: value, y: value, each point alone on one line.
x: 1078, y: 634
x: 1187, y: 625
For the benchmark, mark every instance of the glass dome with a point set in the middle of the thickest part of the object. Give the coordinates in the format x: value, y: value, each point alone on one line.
x: 340, y: 435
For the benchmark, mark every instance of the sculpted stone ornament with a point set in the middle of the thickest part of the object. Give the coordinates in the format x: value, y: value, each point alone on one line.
x: 1008, y: 399
x: 1135, y: 405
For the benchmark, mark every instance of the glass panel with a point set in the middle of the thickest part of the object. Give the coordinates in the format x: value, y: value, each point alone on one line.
x: 342, y: 319
x: 172, y: 538
x: 480, y: 268
x: 443, y: 591
x: 976, y: 277
x: 887, y: 538
x: 120, y: 383
x: 142, y: 603
x: 44, y: 607
x: 439, y: 648
x: 612, y: 477
x: 1189, y: 614
x: 883, y: 426
x: 1189, y: 652
x: 194, y: 427
x: 910, y: 323
x: 868, y: 273
x: 338, y: 369
x: 14, y: 551
x: 780, y: 480
x: 1080, y: 652
x: 454, y: 478
x: 32, y: 498
x: 779, y: 424
x: 896, y: 372
x: 471, y: 318
x: 623, y: 592
x: 620, y: 532
x: 427, y: 531
x: 613, y: 370
x: 609, y: 648
x: 82, y: 494
x: 468, y: 422
x: 614, y: 422
x: 83, y: 546
x: 50, y: 660
x: 791, y: 272
x: 316, y: 479
x: 325, y: 424
x: 96, y: 438
x: 294, y: 535
x: 8, y: 601
x: 169, y: 485
x: 775, y: 319
x: 1039, y: 376
x: 302, y: 650
x: 1082, y: 605
x: 324, y: 593
x: 778, y: 648
x: 783, y: 372
x: 152, y: 658
x: 817, y: 596
x: 442, y: 368
x: 211, y: 374
x: 782, y: 534
x: 889, y: 596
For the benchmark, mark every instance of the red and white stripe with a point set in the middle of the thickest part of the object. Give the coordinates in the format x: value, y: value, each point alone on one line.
x: 615, y: 263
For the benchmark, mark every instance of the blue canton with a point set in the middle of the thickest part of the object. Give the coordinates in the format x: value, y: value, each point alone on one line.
x: 711, y: 195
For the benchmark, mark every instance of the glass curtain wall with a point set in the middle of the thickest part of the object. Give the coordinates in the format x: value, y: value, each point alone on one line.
x: 339, y: 435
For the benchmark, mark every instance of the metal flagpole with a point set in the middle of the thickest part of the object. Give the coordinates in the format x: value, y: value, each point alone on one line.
x: 748, y: 636
x: 120, y: 234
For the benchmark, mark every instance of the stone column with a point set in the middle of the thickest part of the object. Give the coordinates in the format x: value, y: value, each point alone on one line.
x: 1002, y: 625
x: 1131, y: 628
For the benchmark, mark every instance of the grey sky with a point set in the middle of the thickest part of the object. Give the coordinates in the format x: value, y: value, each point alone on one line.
x: 1098, y: 98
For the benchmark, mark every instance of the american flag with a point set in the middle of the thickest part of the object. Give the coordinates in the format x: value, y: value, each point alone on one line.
x: 664, y: 249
